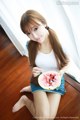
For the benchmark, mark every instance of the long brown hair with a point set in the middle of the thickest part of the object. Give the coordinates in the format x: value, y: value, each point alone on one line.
x: 29, y: 18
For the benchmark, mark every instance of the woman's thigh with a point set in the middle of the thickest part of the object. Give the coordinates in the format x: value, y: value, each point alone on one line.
x: 54, y: 100
x: 41, y: 103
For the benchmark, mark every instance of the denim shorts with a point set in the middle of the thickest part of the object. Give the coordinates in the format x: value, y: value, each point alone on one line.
x: 61, y: 89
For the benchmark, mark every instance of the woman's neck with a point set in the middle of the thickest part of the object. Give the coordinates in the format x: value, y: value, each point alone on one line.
x: 45, y: 46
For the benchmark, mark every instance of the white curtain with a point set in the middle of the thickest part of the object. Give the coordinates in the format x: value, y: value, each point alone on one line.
x: 72, y: 12
x: 62, y: 15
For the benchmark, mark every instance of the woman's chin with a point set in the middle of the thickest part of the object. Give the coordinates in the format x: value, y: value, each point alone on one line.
x: 40, y: 41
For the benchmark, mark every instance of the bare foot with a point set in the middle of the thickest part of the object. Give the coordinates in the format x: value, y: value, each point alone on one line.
x: 19, y: 104
x: 26, y: 89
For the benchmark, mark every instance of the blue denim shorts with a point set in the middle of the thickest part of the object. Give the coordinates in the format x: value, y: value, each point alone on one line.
x: 61, y: 89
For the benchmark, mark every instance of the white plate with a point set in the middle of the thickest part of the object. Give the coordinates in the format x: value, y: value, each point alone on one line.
x: 48, y: 86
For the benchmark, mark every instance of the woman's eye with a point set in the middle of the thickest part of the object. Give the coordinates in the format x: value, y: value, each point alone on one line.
x: 28, y: 33
x: 35, y: 29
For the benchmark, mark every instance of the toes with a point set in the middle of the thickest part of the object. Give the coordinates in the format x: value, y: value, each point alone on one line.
x: 22, y: 90
x: 14, y: 109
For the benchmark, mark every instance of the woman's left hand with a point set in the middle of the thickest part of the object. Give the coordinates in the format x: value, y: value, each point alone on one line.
x: 60, y: 73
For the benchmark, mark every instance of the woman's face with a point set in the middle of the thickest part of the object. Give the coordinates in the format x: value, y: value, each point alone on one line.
x: 38, y: 33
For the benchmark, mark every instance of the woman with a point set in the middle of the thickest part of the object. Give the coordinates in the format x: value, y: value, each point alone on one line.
x: 45, y: 54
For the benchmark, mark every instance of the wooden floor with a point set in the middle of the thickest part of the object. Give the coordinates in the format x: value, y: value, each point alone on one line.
x: 14, y: 75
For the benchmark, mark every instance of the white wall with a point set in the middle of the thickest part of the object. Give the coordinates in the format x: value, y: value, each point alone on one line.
x: 11, y: 12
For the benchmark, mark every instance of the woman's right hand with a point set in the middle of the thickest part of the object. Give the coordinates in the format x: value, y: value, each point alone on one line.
x: 36, y: 71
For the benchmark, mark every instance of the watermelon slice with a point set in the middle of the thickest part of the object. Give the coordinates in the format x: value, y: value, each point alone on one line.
x: 49, y: 80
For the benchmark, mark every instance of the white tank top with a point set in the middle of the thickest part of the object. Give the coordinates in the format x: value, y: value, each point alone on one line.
x: 46, y: 61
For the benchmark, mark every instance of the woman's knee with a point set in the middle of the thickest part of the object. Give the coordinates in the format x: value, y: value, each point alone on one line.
x: 53, y: 115
x: 43, y: 115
